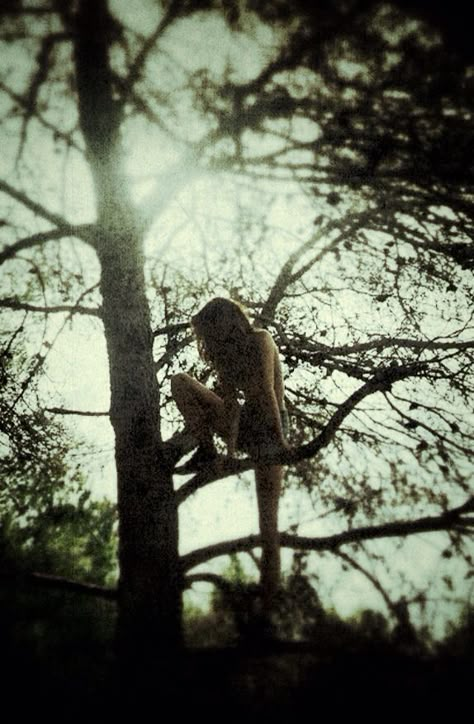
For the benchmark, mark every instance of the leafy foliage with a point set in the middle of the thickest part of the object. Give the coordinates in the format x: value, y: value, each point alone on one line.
x: 50, y: 522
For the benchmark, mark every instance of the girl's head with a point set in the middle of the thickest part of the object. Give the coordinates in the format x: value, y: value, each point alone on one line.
x: 219, y: 321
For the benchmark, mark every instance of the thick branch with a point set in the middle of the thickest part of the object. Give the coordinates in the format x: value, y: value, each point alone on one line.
x: 224, y: 467
x: 282, y: 282
x: 450, y: 520
x: 171, y: 328
x: 387, y: 342
x: 42, y: 211
x: 139, y: 63
x: 377, y: 384
x: 218, y: 581
x: 46, y: 580
x: 220, y: 469
x: 16, y: 305
x: 42, y: 237
x: 83, y: 413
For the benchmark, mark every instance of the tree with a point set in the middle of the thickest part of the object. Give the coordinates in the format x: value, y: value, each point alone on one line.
x: 371, y: 303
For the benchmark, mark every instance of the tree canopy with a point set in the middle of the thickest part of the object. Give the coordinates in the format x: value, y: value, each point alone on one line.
x: 311, y: 160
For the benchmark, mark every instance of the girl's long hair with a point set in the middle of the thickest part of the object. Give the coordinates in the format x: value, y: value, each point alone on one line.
x: 219, y: 324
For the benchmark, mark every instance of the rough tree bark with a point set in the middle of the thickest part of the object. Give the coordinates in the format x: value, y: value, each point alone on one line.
x: 150, y: 585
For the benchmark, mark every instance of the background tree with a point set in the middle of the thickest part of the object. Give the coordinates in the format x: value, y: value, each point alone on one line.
x: 324, y: 181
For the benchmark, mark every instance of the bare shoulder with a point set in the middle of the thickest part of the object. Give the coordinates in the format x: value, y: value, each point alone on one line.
x: 263, y: 340
x: 264, y: 347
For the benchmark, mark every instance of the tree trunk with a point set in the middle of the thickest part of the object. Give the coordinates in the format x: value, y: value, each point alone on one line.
x: 150, y: 581
x: 150, y: 588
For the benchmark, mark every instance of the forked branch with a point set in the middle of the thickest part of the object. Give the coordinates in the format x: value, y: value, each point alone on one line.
x: 224, y: 467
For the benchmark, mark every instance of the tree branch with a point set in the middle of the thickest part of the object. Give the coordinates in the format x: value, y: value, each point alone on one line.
x: 379, y: 383
x: 84, y: 413
x: 223, y: 467
x: 288, y: 276
x: 398, y: 609
x: 57, y: 132
x: 171, y: 328
x: 16, y: 305
x: 387, y: 342
x: 220, y: 469
x: 45, y: 580
x: 138, y: 64
x: 218, y: 581
x: 449, y: 520
x: 41, y: 210
x: 42, y: 237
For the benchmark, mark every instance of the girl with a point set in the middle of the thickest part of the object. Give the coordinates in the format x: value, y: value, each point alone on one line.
x: 247, y: 364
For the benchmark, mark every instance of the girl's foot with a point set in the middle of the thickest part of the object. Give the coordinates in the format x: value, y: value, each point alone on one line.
x: 204, y: 455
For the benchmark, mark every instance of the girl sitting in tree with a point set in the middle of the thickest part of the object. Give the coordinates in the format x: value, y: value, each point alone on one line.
x: 247, y: 363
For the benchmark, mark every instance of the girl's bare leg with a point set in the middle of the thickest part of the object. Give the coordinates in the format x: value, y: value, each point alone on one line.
x: 268, y: 481
x: 201, y: 408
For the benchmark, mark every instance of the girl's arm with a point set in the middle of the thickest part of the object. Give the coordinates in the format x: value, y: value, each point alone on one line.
x: 231, y: 414
x: 266, y: 386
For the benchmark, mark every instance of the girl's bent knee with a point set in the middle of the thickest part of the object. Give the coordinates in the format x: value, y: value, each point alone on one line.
x: 178, y: 381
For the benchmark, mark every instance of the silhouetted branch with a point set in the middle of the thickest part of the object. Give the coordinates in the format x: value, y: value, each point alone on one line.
x: 138, y: 64
x: 288, y: 275
x: 384, y: 343
x: 449, y: 520
x: 42, y: 237
x: 83, y: 413
x: 381, y: 382
x: 43, y: 63
x: 42, y: 211
x: 59, y: 583
x: 171, y: 328
x: 218, y: 581
x: 17, y: 9
x: 220, y: 469
x: 392, y: 606
x: 223, y: 467
x: 57, y: 132
x: 16, y: 305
